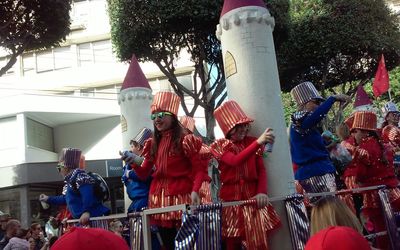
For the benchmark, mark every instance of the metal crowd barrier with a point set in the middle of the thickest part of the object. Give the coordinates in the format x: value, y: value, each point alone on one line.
x: 295, y: 208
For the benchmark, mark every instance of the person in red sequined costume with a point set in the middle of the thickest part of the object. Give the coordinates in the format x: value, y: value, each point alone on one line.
x: 175, y: 155
x: 243, y: 176
x: 374, y: 161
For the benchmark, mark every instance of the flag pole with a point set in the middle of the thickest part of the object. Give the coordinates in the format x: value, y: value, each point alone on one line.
x: 390, y: 96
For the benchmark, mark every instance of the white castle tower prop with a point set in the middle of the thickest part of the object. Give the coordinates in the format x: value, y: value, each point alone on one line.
x: 134, y: 99
x: 245, y: 31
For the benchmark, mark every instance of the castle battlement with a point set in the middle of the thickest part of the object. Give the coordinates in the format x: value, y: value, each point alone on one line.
x: 242, y: 16
x: 134, y: 94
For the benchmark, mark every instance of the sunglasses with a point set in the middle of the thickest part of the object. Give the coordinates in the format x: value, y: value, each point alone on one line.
x: 159, y: 115
x: 60, y: 166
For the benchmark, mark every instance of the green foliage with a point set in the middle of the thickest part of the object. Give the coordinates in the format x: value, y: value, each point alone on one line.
x: 32, y: 25
x: 158, y: 31
x: 332, y: 42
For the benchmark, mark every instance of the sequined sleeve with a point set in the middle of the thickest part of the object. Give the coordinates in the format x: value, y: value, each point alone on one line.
x: 391, y: 134
x: 144, y: 171
x: 147, y: 149
x: 219, y: 147
x: 191, y: 145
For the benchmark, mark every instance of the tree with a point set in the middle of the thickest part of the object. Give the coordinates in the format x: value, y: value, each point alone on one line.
x: 158, y: 30
x: 31, y: 25
x: 337, y: 42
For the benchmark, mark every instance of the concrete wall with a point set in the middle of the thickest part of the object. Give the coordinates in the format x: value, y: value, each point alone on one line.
x: 98, y: 139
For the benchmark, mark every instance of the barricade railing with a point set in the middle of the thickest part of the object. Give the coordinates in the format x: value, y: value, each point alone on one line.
x: 295, y: 208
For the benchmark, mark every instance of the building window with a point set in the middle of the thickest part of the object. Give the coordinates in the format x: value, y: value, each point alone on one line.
x: 85, y: 54
x: 63, y: 58
x: 102, y: 52
x: 44, y: 61
x: 39, y: 135
x: 29, y: 65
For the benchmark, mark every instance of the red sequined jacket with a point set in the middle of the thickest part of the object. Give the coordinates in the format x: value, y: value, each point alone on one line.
x: 391, y: 134
x: 173, y: 169
x: 349, y: 144
x: 243, y: 173
x: 371, y: 170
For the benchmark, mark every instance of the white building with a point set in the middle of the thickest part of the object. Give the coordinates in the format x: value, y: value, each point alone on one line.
x: 66, y: 97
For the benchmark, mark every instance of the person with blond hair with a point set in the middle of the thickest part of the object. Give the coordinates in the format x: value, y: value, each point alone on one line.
x: 331, y: 211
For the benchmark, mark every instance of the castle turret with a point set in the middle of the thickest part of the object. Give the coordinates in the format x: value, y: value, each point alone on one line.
x: 245, y: 30
x: 134, y: 99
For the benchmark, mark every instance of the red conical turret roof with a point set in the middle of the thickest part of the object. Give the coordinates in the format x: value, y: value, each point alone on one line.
x: 135, y: 76
x: 234, y: 4
x: 362, y: 97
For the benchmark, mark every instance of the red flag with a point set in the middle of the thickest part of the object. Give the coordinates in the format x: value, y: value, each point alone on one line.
x: 381, y: 81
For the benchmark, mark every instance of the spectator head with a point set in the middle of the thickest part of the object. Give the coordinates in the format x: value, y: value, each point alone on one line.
x: 23, y: 233
x: 3, y: 220
x: 12, y: 227
x: 32, y: 243
x: 89, y: 239
x: 330, y: 211
x: 338, y: 237
x: 116, y: 226
x: 36, y: 229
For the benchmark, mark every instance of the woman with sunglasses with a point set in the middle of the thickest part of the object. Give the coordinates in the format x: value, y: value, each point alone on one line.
x: 243, y: 175
x: 315, y: 171
x: 175, y: 154
x: 374, y: 161
x: 78, y: 191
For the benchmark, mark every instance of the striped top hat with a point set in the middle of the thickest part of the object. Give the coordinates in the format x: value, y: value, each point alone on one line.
x: 389, y: 107
x: 166, y: 101
x: 70, y: 157
x: 305, y: 92
x: 229, y: 114
x: 188, y: 122
x: 349, y: 121
x: 365, y: 120
x: 143, y: 135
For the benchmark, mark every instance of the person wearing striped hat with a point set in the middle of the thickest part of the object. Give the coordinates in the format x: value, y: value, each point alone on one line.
x: 391, y: 129
x: 189, y: 123
x: 78, y: 193
x: 137, y: 190
x: 243, y: 175
x: 374, y: 162
x: 175, y: 154
x: 315, y: 171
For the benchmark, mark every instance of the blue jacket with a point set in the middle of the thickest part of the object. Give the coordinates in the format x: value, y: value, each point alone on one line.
x: 137, y: 190
x: 79, y: 196
x: 306, y: 144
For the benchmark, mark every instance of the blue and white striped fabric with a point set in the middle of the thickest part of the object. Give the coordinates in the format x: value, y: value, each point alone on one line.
x: 210, y: 226
x: 299, y: 223
x: 390, y: 219
x: 186, y: 237
x: 201, y: 230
